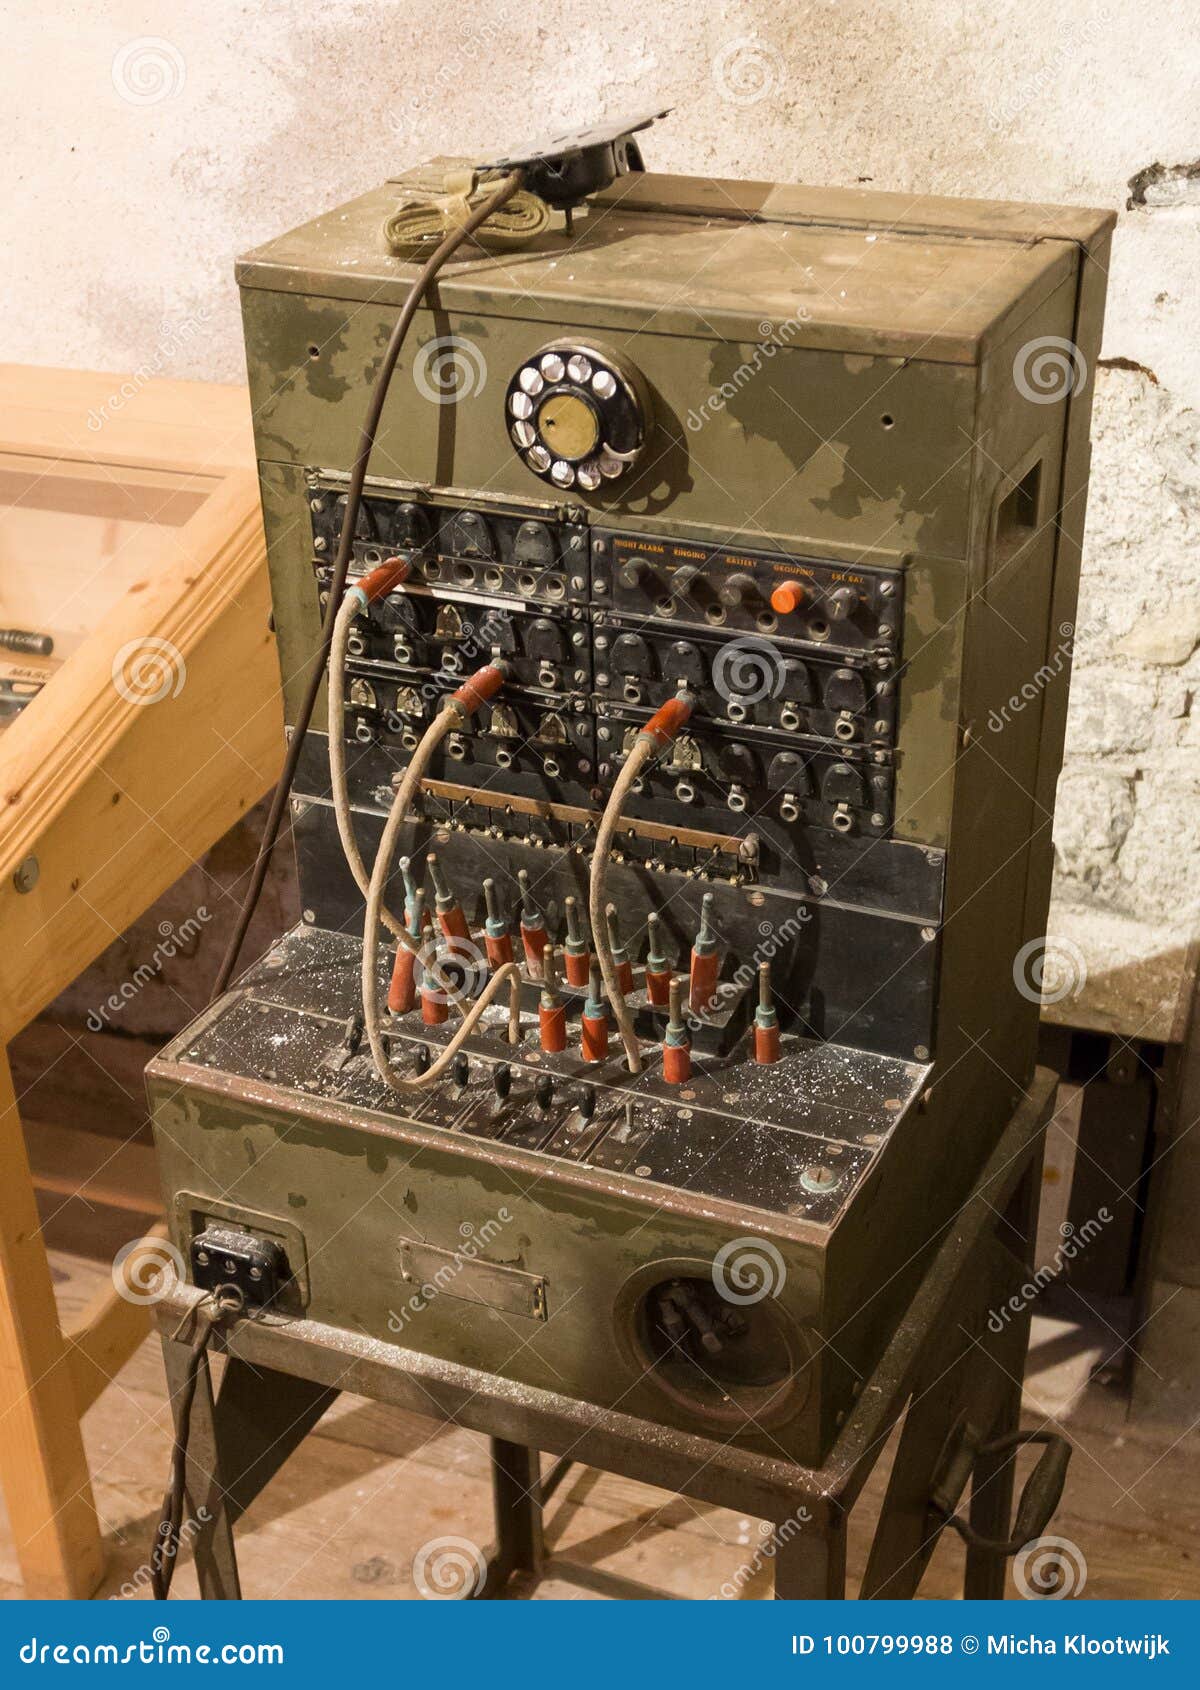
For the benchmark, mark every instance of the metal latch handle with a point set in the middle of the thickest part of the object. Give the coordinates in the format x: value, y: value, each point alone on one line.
x: 1039, y: 1497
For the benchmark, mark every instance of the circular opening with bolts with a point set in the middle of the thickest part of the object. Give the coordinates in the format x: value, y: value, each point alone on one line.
x: 492, y: 578
x: 789, y: 719
x: 715, y: 614
x: 527, y: 583
x: 504, y: 757
x: 789, y: 810
x: 766, y: 622
x: 685, y: 792
x: 719, y: 1363
x: 843, y: 730
x: 841, y: 821
x: 818, y: 630
x: 736, y: 800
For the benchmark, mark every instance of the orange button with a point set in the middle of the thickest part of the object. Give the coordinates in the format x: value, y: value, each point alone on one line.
x: 788, y: 597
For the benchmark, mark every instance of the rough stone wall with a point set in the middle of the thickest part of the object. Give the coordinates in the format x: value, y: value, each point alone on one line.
x: 148, y: 144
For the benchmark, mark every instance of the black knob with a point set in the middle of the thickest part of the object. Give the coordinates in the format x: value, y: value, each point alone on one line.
x: 636, y: 572
x: 843, y: 602
x: 461, y: 1069
x: 586, y: 1102
x: 502, y: 1080
x: 422, y: 1059
x: 684, y: 578
x: 543, y: 1092
x: 737, y: 589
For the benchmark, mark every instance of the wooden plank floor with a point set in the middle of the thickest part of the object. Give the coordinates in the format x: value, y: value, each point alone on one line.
x: 347, y: 1516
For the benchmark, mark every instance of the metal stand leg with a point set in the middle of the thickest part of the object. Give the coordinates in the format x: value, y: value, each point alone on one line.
x: 992, y: 1480
x: 207, y: 1519
x: 810, y: 1564
x: 237, y: 1444
x: 517, y: 1498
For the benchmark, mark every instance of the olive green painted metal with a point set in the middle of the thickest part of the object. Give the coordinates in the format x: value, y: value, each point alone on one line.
x: 837, y: 374
x: 946, y: 1358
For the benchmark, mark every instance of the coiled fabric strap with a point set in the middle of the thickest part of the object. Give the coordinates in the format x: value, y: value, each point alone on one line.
x: 417, y: 225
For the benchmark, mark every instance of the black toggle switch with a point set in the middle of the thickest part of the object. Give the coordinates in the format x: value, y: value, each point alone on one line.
x: 423, y: 1059
x: 543, y: 1091
x: 738, y: 589
x: 586, y: 1103
x: 460, y: 1070
x: 637, y: 572
x: 502, y: 1081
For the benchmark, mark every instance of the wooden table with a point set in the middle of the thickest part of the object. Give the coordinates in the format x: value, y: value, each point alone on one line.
x: 130, y: 530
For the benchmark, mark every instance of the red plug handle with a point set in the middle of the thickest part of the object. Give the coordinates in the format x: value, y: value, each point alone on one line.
x: 499, y: 950
x: 402, y: 991
x: 485, y: 683
x: 385, y: 578
x: 667, y: 720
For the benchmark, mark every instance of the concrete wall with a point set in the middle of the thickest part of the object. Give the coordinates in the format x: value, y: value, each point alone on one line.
x: 147, y: 145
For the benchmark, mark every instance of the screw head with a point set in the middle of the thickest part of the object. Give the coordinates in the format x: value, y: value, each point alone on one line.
x: 26, y: 874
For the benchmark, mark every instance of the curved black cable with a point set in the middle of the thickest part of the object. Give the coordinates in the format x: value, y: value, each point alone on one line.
x: 507, y: 188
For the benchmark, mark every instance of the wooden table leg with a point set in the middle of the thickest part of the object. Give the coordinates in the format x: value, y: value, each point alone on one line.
x: 42, y: 1464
